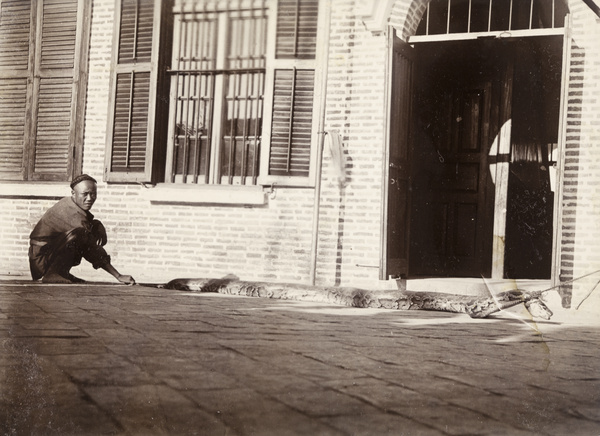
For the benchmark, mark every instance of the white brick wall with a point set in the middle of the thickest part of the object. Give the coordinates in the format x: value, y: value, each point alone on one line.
x: 157, y: 242
x: 581, y: 201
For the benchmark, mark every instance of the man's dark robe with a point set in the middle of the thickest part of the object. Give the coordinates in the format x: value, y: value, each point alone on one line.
x: 64, y: 235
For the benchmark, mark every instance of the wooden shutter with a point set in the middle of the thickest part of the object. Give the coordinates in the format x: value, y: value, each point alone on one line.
x: 15, y: 36
x: 58, y: 89
x: 295, y: 76
x: 297, y: 29
x: 292, y: 123
x: 132, y: 144
x: 396, y: 221
x: 43, y: 60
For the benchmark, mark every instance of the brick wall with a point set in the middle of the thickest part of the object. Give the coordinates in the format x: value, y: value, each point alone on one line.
x: 580, y: 239
x: 157, y: 242
x: 350, y: 221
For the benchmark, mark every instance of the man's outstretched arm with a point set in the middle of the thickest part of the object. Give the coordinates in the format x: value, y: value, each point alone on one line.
x: 128, y: 280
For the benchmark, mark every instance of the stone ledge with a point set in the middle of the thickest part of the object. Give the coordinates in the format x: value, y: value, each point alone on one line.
x: 35, y: 190
x: 206, y: 195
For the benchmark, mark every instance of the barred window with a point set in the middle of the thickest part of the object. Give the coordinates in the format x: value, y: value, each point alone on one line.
x: 214, y: 92
x: 217, y: 88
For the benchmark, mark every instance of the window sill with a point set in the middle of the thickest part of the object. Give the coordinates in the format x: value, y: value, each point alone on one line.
x: 206, y: 195
x: 34, y: 190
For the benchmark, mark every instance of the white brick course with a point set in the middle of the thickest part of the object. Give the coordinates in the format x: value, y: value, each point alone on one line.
x: 158, y: 242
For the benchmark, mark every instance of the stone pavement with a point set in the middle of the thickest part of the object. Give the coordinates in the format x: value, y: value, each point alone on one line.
x: 110, y: 359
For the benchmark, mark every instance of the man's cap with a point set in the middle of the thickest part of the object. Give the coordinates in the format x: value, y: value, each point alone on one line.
x: 82, y: 178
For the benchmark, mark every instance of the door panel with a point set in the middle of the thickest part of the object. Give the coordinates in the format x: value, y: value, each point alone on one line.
x: 395, y: 222
x: 451, y: 212
x: 463, y: 170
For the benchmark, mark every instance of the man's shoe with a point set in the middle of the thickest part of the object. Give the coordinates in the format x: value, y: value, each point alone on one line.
x: 75, y: 279
x: 56, y: 278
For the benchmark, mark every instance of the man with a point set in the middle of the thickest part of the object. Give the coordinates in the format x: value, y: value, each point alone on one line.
x: 67, y: 233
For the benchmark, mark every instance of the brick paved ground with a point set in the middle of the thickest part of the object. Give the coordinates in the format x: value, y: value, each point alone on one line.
x: 134, y: 360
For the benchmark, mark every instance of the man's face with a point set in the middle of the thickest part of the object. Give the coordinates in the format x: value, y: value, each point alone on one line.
x: 84, y: 194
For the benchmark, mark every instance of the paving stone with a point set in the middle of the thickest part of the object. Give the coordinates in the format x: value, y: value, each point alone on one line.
x: 380, y: 424
x: 196, y: 378
x: 155, y: 409
x: 111, y: 359
x: 324, y: 402
x: 250, y: 413
x: 62, y: 345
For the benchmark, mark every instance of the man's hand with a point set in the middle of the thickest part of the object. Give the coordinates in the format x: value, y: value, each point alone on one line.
x: 128, y: 280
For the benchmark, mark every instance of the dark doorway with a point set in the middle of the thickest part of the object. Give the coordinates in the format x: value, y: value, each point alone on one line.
x: 530, y: 199
x: 466, y: 93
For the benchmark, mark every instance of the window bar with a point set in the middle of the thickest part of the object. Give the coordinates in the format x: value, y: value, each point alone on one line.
x: 177, y: 101
x: 235, y: 113
x: 244, y: 163
x: 129, y: 121
x: 427, y: 21
x: 289, y: 150
x: 210, y: 92
x: 510, y: 9
x: 448, y: 18
x: 195, y: 98
x: 251, y: 25
x: 259, y: 109
x: 530, y: 13
x: 185, y: 101
x: 216, y: 71
x: 234, y: 104
x: 255, y: 33
x: 206, y: 92
x: 259, y: 101
x: 256, y: 142
x: 490, y: 15
x: 175, y: 138
x: 251, y: 137
x: 553, y: 12
x: 469, y: 17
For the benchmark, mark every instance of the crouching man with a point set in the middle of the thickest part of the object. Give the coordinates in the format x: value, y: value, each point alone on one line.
x: 67, y: 233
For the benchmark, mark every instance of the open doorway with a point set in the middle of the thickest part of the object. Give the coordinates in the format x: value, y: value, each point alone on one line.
x: 485, y: 129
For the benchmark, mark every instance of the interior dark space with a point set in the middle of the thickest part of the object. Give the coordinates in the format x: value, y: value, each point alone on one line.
x: 466, y: 94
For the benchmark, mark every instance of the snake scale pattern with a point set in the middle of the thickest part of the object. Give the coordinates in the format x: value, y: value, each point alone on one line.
x: 474, y: 306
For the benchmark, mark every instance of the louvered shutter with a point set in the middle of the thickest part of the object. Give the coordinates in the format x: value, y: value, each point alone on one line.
x: 292, y: 123
x: 15, y: 34
x: 132, y: 139
x: 43, y: 59
x: 297, y: 29
x: 58, y: 89
x: 296, y: 75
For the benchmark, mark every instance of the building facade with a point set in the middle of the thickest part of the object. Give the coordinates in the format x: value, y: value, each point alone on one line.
x: 324, y: 142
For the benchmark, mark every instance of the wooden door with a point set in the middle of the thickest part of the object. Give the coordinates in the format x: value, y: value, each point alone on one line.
x: 451, y: 217
x: 459, y: 187
x: 395, y: 220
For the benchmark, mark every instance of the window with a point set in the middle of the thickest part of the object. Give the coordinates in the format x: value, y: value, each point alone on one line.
x: 203, y: 93
x: 217, y: 88
x: 473, y: 16
x: 43, y: 62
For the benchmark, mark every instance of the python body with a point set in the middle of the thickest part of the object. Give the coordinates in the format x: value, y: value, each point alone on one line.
x: 474, y: 306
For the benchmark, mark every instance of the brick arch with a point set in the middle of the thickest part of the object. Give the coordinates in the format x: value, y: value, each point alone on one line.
x: 406, y: 15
